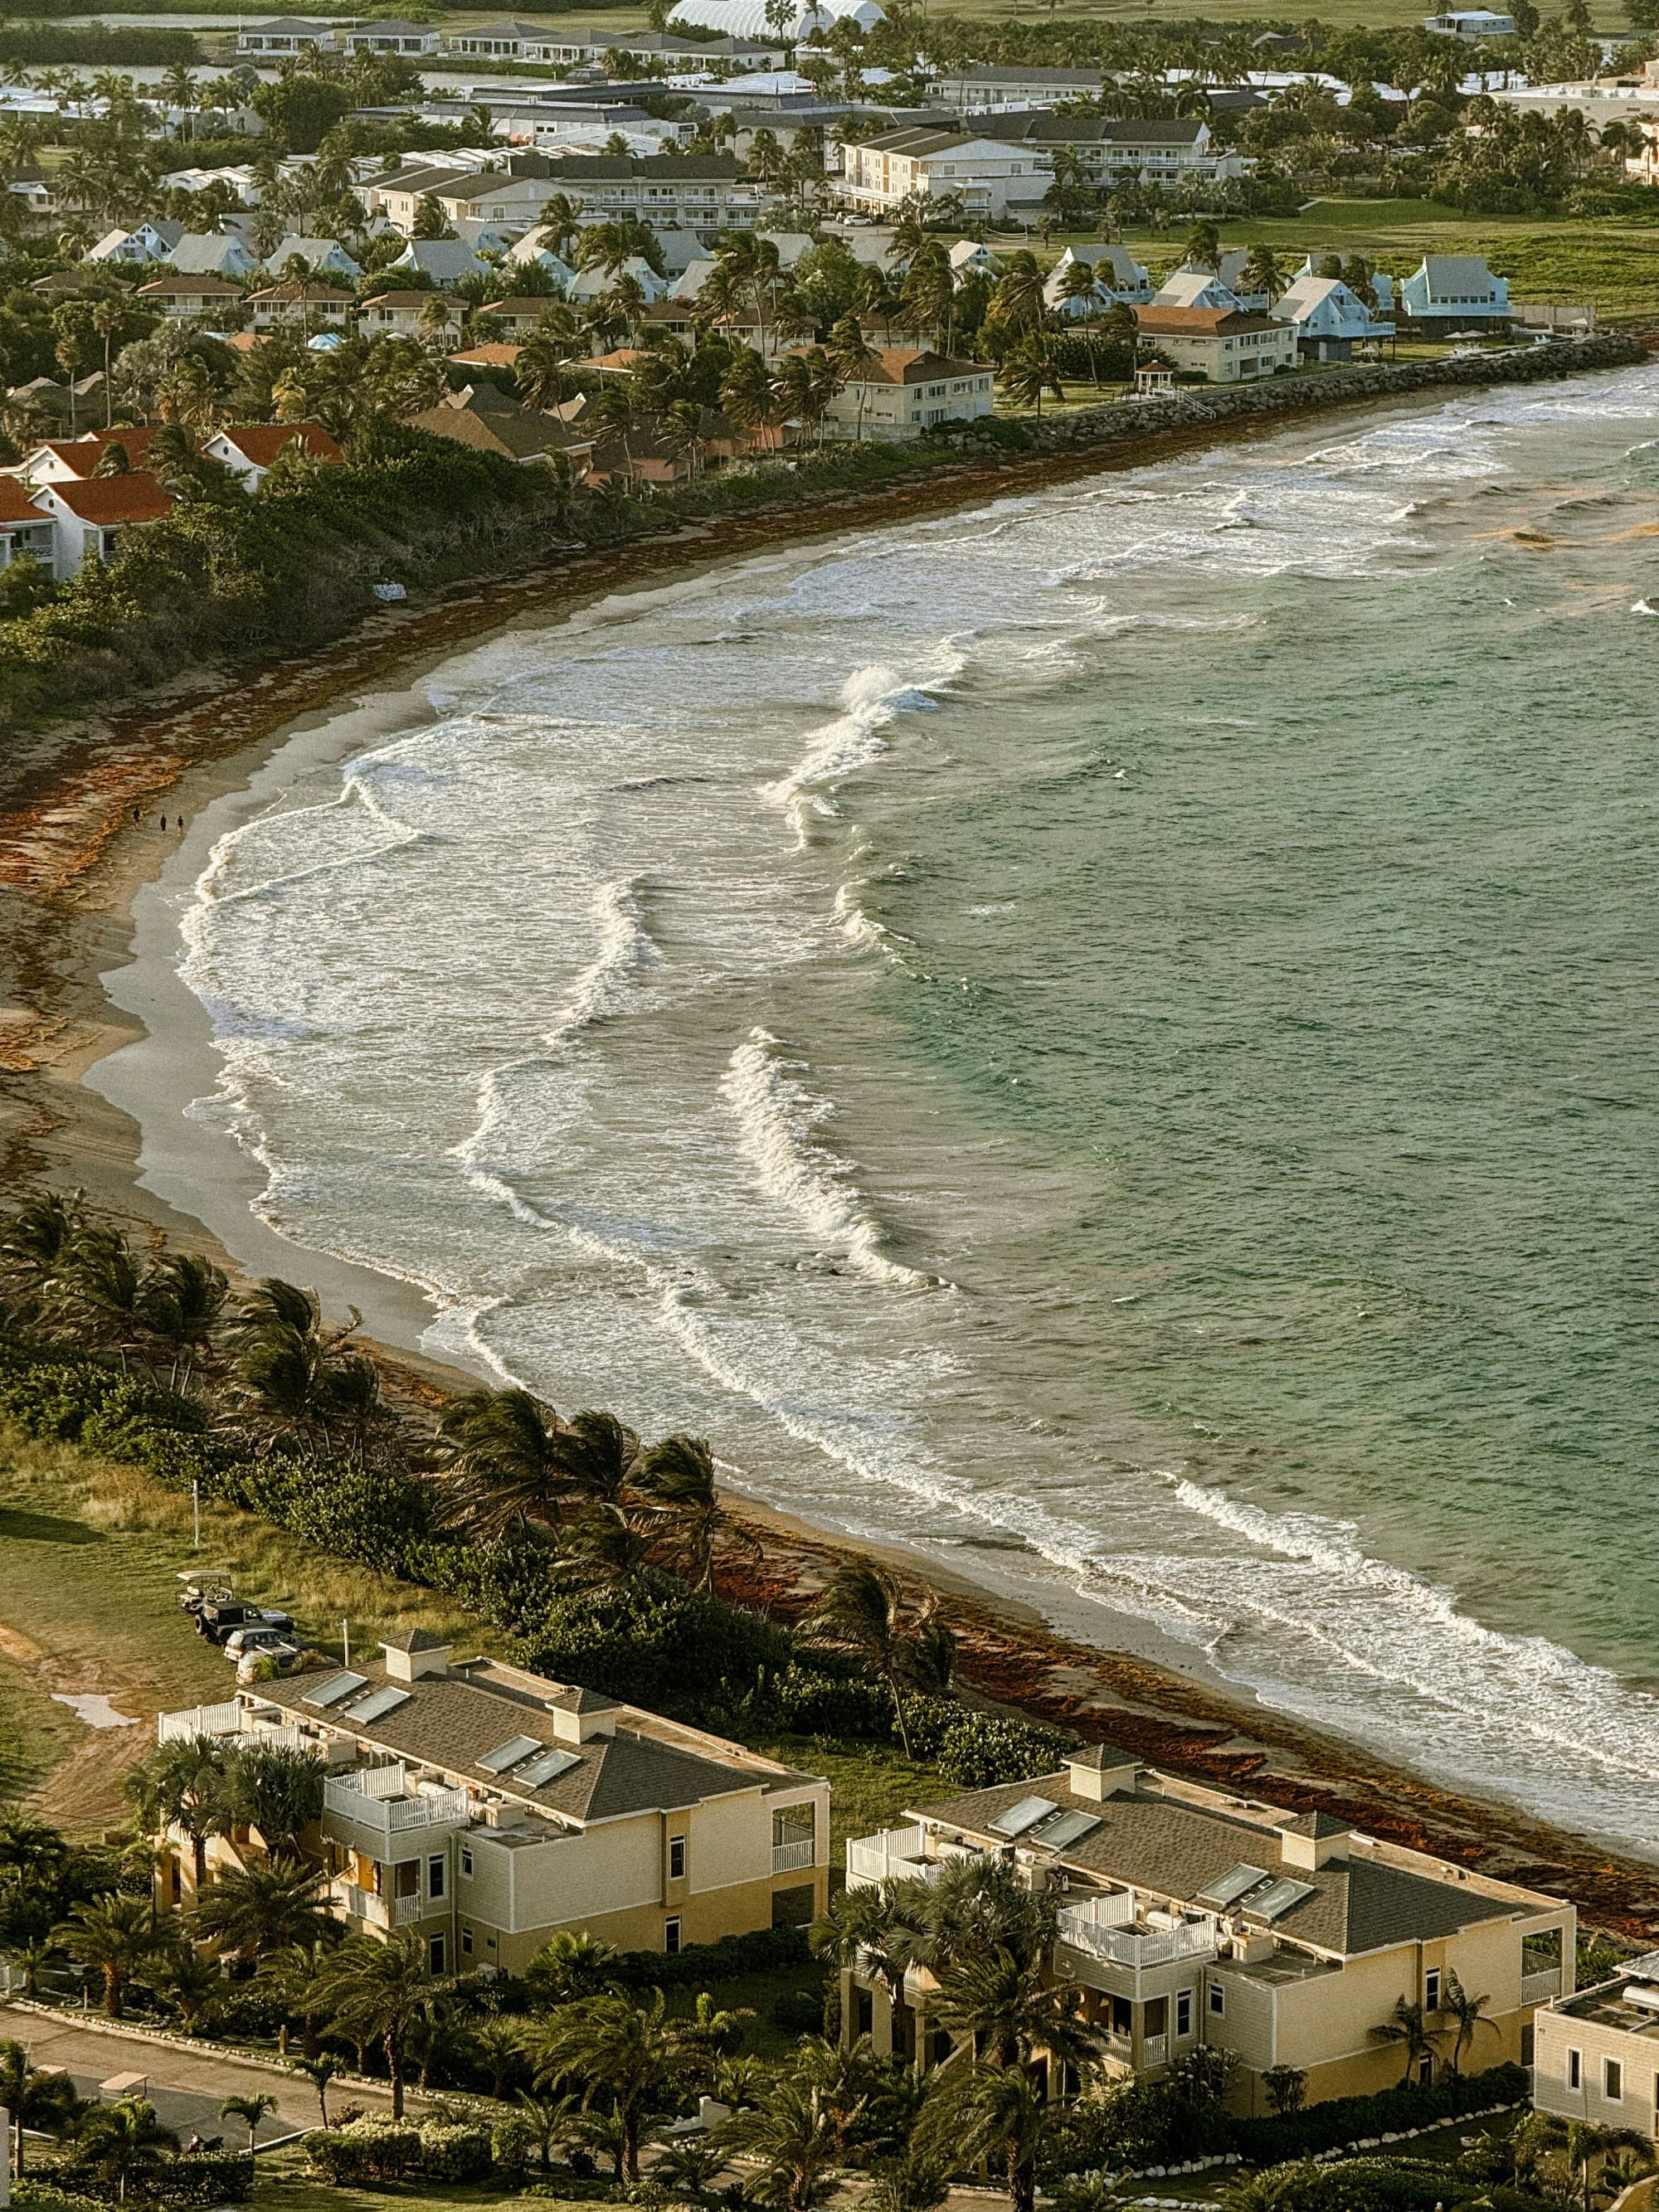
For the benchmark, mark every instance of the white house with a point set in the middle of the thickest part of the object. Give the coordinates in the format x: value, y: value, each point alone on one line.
x: 971, y: 256
x: 151, y: 241
x: 285, y: 35
x: 186, y: 297
x: 445, y: 260
x: 1117, y: 274
x: 23, y: 528
x: 1197, y: 287
x: 990, y: 178
x: 1471, y: 23
x: 904, y: 390
x: 1167, y: 150
x: 212, y: 254
x: 1225, y: 345
x: 324, y: 257
x: 976, y: 91
x: 249, y: 451
x: 589, y: 283
x: 393, y: 37
x: 1328, y: 319
x: 90, y: 517
x: 1452, y: 292
x: 759, y: 19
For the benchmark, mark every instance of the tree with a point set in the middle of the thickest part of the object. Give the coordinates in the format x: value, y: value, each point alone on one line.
x: 250, y: 2110
x: 1406, y: 2027
x: 1468, y: 2015
x: 506, y: 1460
x: 570, y: 1966
x: 1262, y: 273
x: 123, y: 2143
x: 556, y: 339
x: 34, y: 2099
x: 277, y: 1791
x: 1286, y: 2088
x: 864, y: 1611
x: 853, y: 357
x: 1203, y: 247
x: 377, y: 1991
x: 251, y: 1911
x: 1018, y: 303
x: 678, y: 1473
x: 116, y: 1935
x: 792, y: 2132
x: 182, y: 1785
x: 193, y: 1985
x: 629, y: 2057
x: 1029, y: 369
x: 992, y: 2112
x: 319, y: 2068
x: 181, y: 1304
x: 1005, y: 2009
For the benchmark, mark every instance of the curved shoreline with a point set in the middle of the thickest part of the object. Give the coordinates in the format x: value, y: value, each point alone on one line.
x: 78, y: 1137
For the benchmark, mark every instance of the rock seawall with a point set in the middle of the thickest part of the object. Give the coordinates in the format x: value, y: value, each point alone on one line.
x: 1278, y: 396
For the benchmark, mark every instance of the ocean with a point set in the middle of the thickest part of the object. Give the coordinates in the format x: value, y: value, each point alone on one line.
x: 1110, y: 1037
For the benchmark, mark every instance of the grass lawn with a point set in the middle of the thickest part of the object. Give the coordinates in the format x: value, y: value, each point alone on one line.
x: 285, y: 2183
x: 89, y: 1602
x: 1611, y: 265
x: 870, y: 1784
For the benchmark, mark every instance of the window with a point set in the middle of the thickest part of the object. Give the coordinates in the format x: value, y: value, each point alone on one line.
x: 1575, y: 2069
x: 1184, y: 2012
x: 434, y: 1954
x: 1432, y: 1989
x: 466, y: 1860
x: 436, y: 1868
x: 670, y: 1936
x: 1218, y: 2000
x: 1426, y: 2069
x: 1613, y: 2082
x: 466, y: 1943
x: 677, y: 1859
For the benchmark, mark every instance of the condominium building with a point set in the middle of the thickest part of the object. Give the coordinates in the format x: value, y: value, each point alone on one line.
x: 1595, y: 2053
x: 1191, y: 1917
x: 491, y: 1808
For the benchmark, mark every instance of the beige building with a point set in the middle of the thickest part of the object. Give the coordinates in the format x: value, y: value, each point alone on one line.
x: 903, y: 391
x: 491, y: 1808
x: 1595, y: 2054
x: 1227, y: 345
x: 1191, y: 1917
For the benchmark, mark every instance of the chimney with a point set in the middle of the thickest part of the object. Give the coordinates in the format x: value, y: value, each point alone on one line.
x: 580, y: 1715
x: 1312, y: 1840
x: 1100, y: 1771
x: 414, y: 1655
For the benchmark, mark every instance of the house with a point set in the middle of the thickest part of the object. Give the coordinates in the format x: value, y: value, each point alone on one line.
x: 494, y: 196
x: 1328, y: 319
x: 704, y: 192
x: 24, y: 530
x: 536, y: 245
x: 90, y: 518
x: 490, y: 355
x: 392, y: 37
x: 1117, y: 274
x: 73, y: 461
x: 589, y: 284
x: 514, y: 318
x: 977, y: 91
x: 491, y: 1808
x: 1197, y: 287
x: 427, y: 316
x: 993, y: 180
x: 1112, y: 149
x: 904, y: 390
x: 445, y: 260
x: 306, y: 306
x: 971, y: 256
x: 249, y: 451
x: 497, y: 42
x: 493, y: 421
x: 1226, y: 345
x: 1471, y: 23
x: 324, y: 257
x: 185, y: 298
x: 1595, y: 2051
x: 1452, y: 292
x: 212, y: 254
x: 151, y: 241
x: 285, y: 35
x: 668, y: 49
x: 1198, y: 1916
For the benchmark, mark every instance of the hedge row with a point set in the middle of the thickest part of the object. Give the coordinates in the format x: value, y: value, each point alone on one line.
x: 192, y: 2178
x: 704, y: 1964
x: 1365, y: 2184
x: 378, y: 2149
x: 1342, y: 2120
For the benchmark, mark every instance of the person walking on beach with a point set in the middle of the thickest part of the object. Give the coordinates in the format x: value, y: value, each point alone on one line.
x: 164, y: 821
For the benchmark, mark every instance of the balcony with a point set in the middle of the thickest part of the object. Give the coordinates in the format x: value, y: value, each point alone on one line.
x: 1107, y: 1933
x: 893, y: 1854
x: 379, y: 1799
x: 791, y: 1858
x: 253, y: 1724
x: 379, y: 1911
x: 1541, y: 1985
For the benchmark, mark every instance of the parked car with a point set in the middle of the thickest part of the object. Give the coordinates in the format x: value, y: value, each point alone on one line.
x: 218, y: 1622
x: 243, y: 1643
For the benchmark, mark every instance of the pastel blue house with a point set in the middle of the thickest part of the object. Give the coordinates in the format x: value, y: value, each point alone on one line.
x: 1454, y: 292
x: 1330, y: 319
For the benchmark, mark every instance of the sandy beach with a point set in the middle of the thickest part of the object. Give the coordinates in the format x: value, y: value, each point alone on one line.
x: 91, y: 889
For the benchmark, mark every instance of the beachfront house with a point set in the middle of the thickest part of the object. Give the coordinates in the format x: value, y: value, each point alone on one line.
x: 1223, y: 345
x: 285, y: 37
x: 490, y: 1809
x: 249, y: 450
x: 995, y: 182
x: 25, y: 532
x: 1595, y: 2051
x: 186, y: 298
x: 1329, y: 319
x: 90, y: 516
x: 1117, y: 275
x: 1451, y: 292
x: 905, y: 390
x: 1192, y: 1917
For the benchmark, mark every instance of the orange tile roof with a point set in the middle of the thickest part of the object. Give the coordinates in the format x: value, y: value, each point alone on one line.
x: 14, y: 504
x: 261, y: 443
x: 136, y: 497
x: 491, y: 355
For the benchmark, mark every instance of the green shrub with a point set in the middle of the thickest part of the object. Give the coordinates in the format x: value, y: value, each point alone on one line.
x: 703, y: 1964
x: 1342, y: 2120
x: 373, y: 2149
x: 193, y: 2178
x: 33, y: 2194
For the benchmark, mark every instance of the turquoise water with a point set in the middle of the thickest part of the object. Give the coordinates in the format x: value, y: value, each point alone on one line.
x: 1111, y: 1037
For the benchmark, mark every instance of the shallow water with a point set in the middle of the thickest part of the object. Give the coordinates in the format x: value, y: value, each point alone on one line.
x: 1112, y: 1036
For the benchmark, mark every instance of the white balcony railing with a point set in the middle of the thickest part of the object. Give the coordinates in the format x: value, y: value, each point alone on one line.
x: 1540, y: 1988
x: 202, y: 1720
x: 1154, y: 2050
x: 789, y: 1858
x: 1137, y: 1948
x: 388, y: 1806
x: 363, y: 1905
x: 405, y: 1909
x: 893, y: 1853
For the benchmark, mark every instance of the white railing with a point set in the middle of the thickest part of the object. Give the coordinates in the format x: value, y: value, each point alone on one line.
x: 1137, y: 1948
x: 202, y: 1720
x: 788, y: 1858
x: 363, y: 1905
x: 898, y: 1854
x: 1537, y: 1989
x: 391, y: 1814
x: 405, y: 1909
x: 1154, y: 2050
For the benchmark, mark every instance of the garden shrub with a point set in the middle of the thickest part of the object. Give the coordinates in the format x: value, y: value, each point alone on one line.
x: 193, y: 2178
x: 761, y: 1951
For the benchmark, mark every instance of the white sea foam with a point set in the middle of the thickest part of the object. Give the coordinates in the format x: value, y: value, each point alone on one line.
x: 779, y: 1121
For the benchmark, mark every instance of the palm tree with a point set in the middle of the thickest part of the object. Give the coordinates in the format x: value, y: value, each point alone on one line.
x: 39, y: 1239
x: 1262, y: 273
x: 1203, y: 247
x: 1406, y: 2027
x: 250, y: 2110
x: 857, y: 1929
x: 508, y: 1461
x: 277, y: 1791
x: 193, y: 1985
x: 116, y: 1935
x: 296, y: 1977
x: 1018, y: 303
x: 1029, y: 369
x: 254, y: 1911
x: 1586, y: 2146
x: 1004, y: 2007
x: 182, y: 1299
x: 1468, y: 2013
x: 33, y: 2097
x: 992, y: 2112
x: 678, y: 1473
x: 864, y: 1611
x: 123, y: 2143
x: 435, y: 319
x: 627, y: 2056
x: 287, y: 1365
x: 184, y: 1785
x: 1079, y: 284
x: 377, y: 1991
x: 103, y: 1283
x: 319, y: 2068
x: 854, y: 357
x: 570, y: 1965
x: 792, y: 2132
x: 599, y: 1453
x: 540, y: 367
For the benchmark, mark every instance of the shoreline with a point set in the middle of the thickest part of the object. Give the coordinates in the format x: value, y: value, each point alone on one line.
x: 93, y: 902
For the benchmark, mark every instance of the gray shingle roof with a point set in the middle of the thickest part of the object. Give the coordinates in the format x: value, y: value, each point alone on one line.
x: 1173, y: 1849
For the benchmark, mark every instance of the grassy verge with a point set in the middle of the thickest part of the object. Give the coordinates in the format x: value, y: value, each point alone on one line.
x: 89, y: 1555
x: 285, y: 2183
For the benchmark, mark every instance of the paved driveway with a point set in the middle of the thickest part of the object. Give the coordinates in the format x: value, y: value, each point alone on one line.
x: 185, y: 2087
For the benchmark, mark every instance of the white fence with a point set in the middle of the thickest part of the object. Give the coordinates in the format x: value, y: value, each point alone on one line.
x: 1136, y: 1948
x: 893, y: 1853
